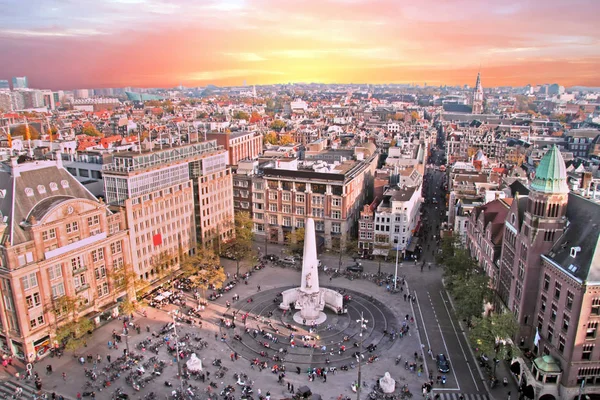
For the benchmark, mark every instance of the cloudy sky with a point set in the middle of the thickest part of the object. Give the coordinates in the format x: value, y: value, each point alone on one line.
x: 113, y: 43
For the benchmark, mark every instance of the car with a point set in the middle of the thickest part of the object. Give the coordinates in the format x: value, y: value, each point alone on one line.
x: 355, y: 268
x: 442, y: 363
x: 289, y: 260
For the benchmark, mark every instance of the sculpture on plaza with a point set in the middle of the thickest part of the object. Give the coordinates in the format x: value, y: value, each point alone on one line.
x: 309, y: 298
x: 387, y: 383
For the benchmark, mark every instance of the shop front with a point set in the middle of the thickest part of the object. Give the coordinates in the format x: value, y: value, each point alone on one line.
x: 42, y: 346
x: 18, y: 350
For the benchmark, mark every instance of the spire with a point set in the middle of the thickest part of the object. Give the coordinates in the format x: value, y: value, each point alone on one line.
x: 551, y: 173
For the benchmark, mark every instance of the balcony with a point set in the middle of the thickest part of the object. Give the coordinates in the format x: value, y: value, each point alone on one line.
x: 82, y: 288
x: 83, y: 268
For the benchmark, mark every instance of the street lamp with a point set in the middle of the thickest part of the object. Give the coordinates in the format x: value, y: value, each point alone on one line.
x: 363, y: 325
x: 396, y: 269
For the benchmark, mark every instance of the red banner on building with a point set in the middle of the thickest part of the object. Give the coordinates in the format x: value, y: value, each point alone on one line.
x: 157, y: 239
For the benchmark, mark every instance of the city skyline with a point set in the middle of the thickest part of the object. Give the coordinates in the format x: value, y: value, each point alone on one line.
x: 154, y: 43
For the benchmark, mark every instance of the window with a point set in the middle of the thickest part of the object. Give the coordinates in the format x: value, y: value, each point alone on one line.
x: 546, y: 282
x: 72, y: 227
x: 33, y: 300
x: 100, y: 272
x: 29, y: 281
x: 287, y: 221
x: 561, y: 344
x: 285, y: 196
x: 259, y: 216
x: 93, y: 220
x: 540, y: 324
x: 273, y: 219
x: 84, y: 173
x: 299, y: 223
x: 557, y: 287
x: 570, y: 297
x: 49, y: 234
x: 336, y: 214
x: 116, y: 247
x: 543, y: 304
x: 76, y: 263
x: 118, y: 263
x: 317, y: 200
x: 553, y: 312
x: 319, y: 226
x: 335, y: 202
x: 299, y: 198
x: 591, y: 330
x: 586, y: 351
x: 317, y: 212
x: 336, y: 227
x: 272, y: 195
x: 286, y: 208
x: 550, y: 333
x: 102, y: 289
x: 58, y: 290
x: 98, y: 255
x: 79, y: 280
x: 37, y: 321
x: 299, y: 210
x: 565, y: 324
x: 273, y: 207
x: 595, y: 307
x: 55, y: 272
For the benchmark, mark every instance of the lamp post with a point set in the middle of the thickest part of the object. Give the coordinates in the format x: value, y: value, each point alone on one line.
x: 362, y: 321
x: 396, y: 269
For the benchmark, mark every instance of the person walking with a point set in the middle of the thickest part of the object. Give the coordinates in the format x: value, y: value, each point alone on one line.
x: 64, y: 376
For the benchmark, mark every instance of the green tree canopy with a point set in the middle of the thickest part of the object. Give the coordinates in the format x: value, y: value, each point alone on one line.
x: 277, y: 125
x: 91, y: 130
x: 295, y: 240
x: 488, y: 334
x: 241, y: 115
x: 270, y: 138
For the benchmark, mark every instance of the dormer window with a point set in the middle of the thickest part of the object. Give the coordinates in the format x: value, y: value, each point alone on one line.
x: 41, y: 189
x: 53, y: 186
x: 29, y: 192
x: 64, y: 183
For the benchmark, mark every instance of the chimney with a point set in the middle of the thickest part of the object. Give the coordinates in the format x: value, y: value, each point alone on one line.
x: 58, y: 155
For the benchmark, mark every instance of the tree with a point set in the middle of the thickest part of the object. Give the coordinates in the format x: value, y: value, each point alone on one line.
x: 493, y: 334
x: 255, y: 117
x: 204, y: 269
x: 91, y: 130
x: 241, y: 115
x: 295, y: 240
x: 21, y: 130
x: 285, y: 139
x: 270, y: 138
x: 414, y: 116
x: 342, y: 248
x: 241, y: 248
x: 277, y: 125
x: 71, y: 332
x: 470, y: 294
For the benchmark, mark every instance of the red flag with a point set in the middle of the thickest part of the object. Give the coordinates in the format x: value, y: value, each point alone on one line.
x: 157, y: 239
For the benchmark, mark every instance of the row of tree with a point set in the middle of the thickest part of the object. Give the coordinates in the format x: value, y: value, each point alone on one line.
x: 469, y: 286
x: 203, y: 268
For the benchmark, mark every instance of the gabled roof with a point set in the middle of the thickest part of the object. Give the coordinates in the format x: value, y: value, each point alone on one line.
x: 583, y: 232
x: 34, y: 190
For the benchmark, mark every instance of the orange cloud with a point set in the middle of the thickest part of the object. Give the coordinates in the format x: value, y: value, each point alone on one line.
x: 142, y: 43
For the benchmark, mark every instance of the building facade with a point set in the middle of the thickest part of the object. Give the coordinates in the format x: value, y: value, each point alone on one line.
x: 241, y: 145
x: 57, y: 240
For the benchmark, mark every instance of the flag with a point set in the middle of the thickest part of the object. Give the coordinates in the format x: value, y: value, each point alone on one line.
x: 157, y: 239
x: 537, y: 338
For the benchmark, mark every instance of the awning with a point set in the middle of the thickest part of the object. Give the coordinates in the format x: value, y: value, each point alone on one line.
x: 413, y: 244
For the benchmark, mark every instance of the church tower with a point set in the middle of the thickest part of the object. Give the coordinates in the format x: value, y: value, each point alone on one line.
x: 543, y: 222
x: 477, y: 100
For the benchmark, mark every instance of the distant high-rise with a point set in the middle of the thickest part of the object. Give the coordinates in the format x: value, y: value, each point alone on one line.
x: 477, y: 101
x: 4, y: 84
x: 20, y: 82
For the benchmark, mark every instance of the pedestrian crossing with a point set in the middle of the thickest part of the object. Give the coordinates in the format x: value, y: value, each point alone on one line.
x: 456, y: 396
x: 9, y: 387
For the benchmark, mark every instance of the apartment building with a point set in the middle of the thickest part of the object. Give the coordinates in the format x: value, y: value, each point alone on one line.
x: 332, y: 194
x: 241, y: 145
x: 57, y: 240
x: 172, y: 197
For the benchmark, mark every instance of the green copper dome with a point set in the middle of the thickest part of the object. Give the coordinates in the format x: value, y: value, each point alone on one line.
x: 551, y: 174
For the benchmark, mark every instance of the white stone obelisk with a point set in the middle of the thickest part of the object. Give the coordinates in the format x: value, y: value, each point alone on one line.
x: 310, y: 264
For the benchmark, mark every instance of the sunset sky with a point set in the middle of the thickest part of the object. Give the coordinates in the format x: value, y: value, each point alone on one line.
x: 65, y: 44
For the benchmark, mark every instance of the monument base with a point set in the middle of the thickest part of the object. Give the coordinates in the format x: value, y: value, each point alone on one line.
x: 308, y: 322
